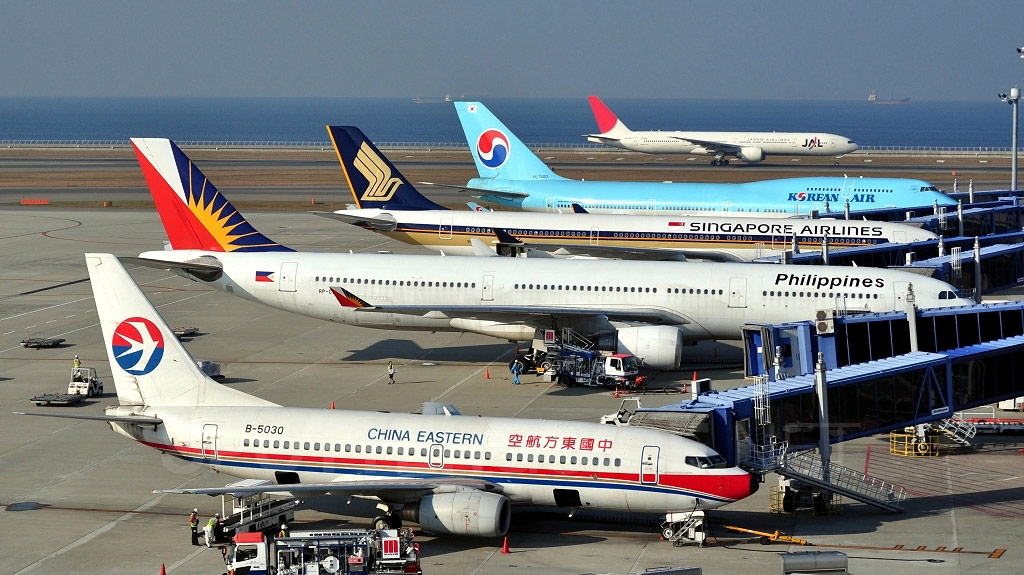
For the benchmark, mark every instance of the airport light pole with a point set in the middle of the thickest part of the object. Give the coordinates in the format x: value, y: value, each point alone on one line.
x: 1012, y: 98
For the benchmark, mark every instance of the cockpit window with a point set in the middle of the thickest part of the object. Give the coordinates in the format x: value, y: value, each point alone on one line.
x: 713, y: 462
x: 949, y: 295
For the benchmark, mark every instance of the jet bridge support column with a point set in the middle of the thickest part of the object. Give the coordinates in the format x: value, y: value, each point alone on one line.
x: 821, y: 388
x: 824, y: 249
x: 959, y: 219
x: 911, y: 311
x: 977, y: 270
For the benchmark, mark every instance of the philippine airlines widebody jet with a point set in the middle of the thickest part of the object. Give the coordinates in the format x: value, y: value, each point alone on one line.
x: 451, y: 474
x: 647, y: 308
x: 747, y: 146
x: 512, y: 175
x: 387, y: 203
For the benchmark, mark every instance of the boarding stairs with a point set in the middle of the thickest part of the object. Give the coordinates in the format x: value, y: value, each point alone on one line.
x: 806, y: 466
x: 957, y: 430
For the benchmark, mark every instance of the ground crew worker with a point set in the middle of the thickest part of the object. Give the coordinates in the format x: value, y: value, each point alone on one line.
x: 193, y: 523
x: 283, y: 532
x: 77, y: 363
x: 209, y: 528
x: 391, y: 372
x: 517, y: 368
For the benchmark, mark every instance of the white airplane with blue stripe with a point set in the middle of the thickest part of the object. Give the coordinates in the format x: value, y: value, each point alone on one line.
x: 511, y: 175
x: 448, y: 473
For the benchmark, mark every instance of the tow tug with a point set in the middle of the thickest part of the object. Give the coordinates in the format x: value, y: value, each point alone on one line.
x: 349, y: 551
x: 84, y: 383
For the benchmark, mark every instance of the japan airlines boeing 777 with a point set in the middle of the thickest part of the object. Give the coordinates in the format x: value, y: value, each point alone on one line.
x: 747, y: 146
x: 451, y: 474
x: 512, y: 175
x: 645, y: 308
x: 404, y: 214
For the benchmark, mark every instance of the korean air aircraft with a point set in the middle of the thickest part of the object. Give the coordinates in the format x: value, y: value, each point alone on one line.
x: 451, y: 474
x: 511, y: 175
x: 747, y: 146
x: 648, y: 308
x: 385, y: 202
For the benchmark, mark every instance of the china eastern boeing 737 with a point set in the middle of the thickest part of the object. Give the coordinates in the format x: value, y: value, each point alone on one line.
x: 451, y: 474
x: 511, y: 175
x: 747, y: 146
x: 647, y: 308
x: 399, y: 211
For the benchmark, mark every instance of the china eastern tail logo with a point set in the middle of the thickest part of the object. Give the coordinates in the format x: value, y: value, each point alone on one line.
x: 492, y: 148
x: 811, y: 143
x: 138, y: 345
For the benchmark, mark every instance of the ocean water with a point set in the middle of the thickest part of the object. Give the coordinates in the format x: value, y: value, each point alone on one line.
x: 535, y: 121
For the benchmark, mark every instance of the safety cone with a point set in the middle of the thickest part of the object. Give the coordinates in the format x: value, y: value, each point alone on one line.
x: 163, y: 571
x: 487, y: 373
x: 332, y: 404
x: 616, y: 391
x: 504, y: 547
x: 312, y: 201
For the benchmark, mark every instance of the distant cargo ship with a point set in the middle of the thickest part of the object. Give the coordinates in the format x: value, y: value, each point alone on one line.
x: 874, y: 100
x: 447, y: 98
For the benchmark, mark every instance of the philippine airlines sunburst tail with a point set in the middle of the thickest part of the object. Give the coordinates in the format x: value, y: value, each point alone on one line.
x: 194, y: 213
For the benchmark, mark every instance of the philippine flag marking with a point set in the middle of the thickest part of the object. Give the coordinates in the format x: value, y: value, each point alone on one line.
x: 492, y: 148
x: 138, y: 345
x: 265, y: 277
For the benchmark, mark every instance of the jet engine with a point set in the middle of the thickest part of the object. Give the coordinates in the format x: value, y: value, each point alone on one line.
x: 660, y: 346
x: 751, y: 154
x: 473, y: 513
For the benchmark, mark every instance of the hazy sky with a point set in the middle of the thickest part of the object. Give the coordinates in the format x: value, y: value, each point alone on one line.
x: 925, y: 50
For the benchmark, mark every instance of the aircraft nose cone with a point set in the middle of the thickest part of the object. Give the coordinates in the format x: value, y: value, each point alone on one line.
x: 737, y: 486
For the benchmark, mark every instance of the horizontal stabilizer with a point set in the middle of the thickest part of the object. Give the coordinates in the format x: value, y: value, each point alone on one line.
x: 137, y: 419
x: 384, y: 223
x: 510, y: 194
x: 209, y: 270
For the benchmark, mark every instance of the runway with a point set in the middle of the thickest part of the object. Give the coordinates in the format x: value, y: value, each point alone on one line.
x: 76, y: 498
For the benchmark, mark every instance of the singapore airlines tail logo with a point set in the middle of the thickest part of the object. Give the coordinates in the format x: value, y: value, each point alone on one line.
x: 380, y: 185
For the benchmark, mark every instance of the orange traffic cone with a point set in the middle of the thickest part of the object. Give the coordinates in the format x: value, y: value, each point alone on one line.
x: 616, y: 391
x: 504, y: 547
x: 487, y: 373
x: 162, y: 570
x: 332, y: 404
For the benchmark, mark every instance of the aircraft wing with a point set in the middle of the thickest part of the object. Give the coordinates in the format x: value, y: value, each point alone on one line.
x: 540, y: 315
x: 383, y: 223
x: 510, y: 194
x: 713, y: 145
x: 390, y: 490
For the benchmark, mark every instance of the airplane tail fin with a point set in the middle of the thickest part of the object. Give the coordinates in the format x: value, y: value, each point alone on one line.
x: 148, y: 363
x: 609, y: 124
x: 497, y: 152
x: 373, y: 180
x: 194, y: 213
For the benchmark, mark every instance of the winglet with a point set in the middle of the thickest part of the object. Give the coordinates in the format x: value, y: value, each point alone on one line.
x: 348, y: 299
x: 505, y: 237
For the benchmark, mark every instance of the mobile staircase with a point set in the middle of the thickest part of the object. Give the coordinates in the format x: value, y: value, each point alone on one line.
x: 806, y: 466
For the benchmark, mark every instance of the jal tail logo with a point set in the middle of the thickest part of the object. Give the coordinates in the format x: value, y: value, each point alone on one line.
x: 492, y: 148
x: 138, y: 345
x: 812, y: 143
x: 380, y: 185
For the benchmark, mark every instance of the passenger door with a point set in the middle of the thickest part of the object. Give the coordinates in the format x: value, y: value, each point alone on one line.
x: 738, y: 292
x: 288, y: 273
x: 649, y: 464
x: 444, y: 231
x: 209, y: 446
x: 487, y: 288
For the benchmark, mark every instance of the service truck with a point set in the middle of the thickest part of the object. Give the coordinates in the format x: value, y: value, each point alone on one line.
x: 331, y: 552
x: 578, y: 366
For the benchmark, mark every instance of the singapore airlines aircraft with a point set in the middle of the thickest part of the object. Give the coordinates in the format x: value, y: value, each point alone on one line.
x: 404, y: 214
x: 511, y: 175
x: 451, y: 474
x: 747, y: 146
x: 645, y: 308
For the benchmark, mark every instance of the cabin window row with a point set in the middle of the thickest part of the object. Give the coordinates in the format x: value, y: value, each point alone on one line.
x: 774, y: 293
x: 369, y: 449
x: 400, y: 283
x: 554, y: 287
x: 695, y: 291
x: 564, y: 459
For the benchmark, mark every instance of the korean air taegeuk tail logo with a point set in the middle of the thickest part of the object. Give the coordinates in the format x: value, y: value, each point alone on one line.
x: 138, y: 345
x: 492, y: 148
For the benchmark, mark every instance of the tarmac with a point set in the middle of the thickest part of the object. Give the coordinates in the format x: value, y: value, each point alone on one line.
x: 77, y: 498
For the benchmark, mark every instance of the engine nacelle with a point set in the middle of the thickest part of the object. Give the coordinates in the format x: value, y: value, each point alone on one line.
x: 751, y: 154
x: 660, y: 346
x: 472, y: 513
